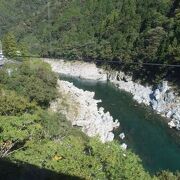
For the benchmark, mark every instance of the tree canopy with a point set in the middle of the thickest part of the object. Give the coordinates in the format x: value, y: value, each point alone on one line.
x: 127, y: 31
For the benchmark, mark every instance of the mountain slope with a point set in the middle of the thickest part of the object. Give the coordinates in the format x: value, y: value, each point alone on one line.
x: 126, y: 30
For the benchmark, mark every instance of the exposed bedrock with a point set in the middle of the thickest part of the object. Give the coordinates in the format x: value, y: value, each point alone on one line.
x: 83, y: 112
x: 162, y: 99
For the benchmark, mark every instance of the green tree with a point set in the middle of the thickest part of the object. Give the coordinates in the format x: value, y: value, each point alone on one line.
x: 10, y: 47
x: 150, y: 43
x: 17, y: 131
x: 166, y: 175
x: 12, y: 104
x: 33, y: 79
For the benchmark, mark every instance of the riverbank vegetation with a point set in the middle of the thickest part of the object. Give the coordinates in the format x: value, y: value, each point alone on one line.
x: 128, y: 31
x: 30, y: 133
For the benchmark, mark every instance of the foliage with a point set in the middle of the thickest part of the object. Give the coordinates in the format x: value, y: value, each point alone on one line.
x: 9, y: 45
x: 31, y: 139
x: 56, y: 126
x: 166, y: 175
x: 13, y: 104
x: 128, y: 31
x: 12, y: 49
x: 39, y: 69
x: 33, y: 79
x: 92, y: 160
x: 16, y: 131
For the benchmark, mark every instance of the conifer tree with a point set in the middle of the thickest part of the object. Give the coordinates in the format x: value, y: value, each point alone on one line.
x: 9, y: 45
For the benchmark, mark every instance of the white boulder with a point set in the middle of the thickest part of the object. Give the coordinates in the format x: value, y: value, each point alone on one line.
x: 124, y: 146
x: 122, y: 136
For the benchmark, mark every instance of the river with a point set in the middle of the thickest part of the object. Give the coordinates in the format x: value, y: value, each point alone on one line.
x: 147, y: 134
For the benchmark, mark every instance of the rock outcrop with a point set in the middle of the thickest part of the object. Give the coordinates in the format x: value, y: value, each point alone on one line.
x: 78, y: 69
x: 124, y: 82
x: 162, y: 99
x: 86, y: 114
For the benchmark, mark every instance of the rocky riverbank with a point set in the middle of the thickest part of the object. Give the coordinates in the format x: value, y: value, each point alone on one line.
x: 78, y: 69
x: 82, y: 110
x: 162, y: 99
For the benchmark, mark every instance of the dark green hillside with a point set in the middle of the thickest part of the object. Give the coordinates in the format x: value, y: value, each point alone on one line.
x: 127, y: 30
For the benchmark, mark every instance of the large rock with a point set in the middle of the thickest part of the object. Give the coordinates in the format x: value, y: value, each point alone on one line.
x: 164, y: 101
x: 124, y: 146
x: 157, y: 94
x: 93, y: 120
x: 124, y: 82
x: 122, y: 136
x: 78, y: 69
x: 163, y: 87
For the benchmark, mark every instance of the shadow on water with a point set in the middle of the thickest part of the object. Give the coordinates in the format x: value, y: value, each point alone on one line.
x: 23, y: 171
x: 147, y: 134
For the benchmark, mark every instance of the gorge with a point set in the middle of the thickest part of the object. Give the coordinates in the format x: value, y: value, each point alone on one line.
x: 90, y: 89
x: 146, y: 133
x: 162, y: 99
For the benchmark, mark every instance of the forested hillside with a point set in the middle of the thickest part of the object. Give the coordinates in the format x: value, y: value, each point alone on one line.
x: 126, y: 30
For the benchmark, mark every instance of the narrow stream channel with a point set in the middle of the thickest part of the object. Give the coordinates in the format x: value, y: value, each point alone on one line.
x: 146, y: 133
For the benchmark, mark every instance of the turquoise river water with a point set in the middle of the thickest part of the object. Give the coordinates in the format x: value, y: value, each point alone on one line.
x: 147, y: 134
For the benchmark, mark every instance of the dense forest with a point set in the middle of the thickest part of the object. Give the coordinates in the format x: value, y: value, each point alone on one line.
x: 128, y: 31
